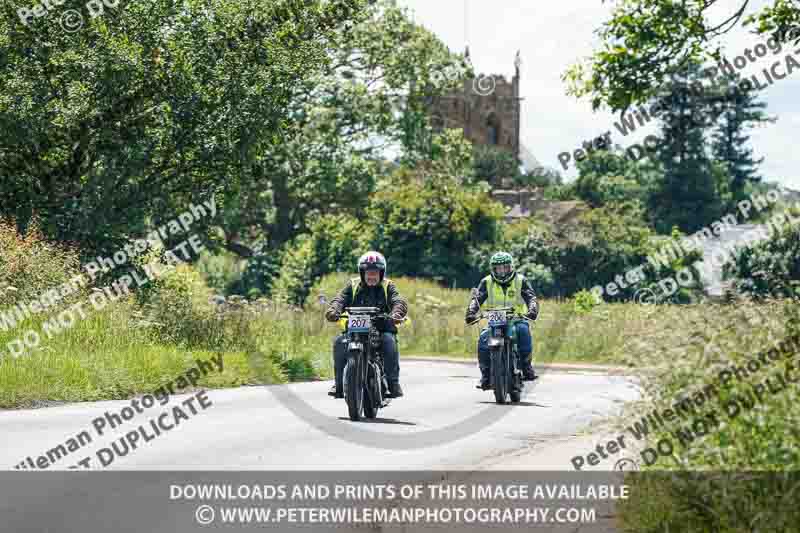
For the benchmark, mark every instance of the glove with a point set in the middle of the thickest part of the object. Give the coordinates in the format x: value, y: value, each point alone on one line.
x: 470, y: 319
x: 532, y: 314
x: 333, y: 315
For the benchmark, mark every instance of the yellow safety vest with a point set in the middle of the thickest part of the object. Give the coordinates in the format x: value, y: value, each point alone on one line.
x: 356, y: 283
x: 497, y: 297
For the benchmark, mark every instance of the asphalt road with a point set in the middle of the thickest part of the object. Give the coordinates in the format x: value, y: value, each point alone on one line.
x: 443, y: 422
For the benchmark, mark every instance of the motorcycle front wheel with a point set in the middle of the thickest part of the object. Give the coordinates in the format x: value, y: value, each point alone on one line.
x: 353, y: 389
x: 372, y: 396
x: 516, y: 382
x: 500, y: 375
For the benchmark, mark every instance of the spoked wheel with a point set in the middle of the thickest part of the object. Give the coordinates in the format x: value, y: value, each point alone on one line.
x: 516, y: 388
x: 371, y: 396
x: 353, y: 389
x: 499, y: 374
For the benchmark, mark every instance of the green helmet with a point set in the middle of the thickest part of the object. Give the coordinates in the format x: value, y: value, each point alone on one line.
x: 498, y: 259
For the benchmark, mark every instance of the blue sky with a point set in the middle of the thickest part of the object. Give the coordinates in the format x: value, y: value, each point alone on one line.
x: 553, y: 35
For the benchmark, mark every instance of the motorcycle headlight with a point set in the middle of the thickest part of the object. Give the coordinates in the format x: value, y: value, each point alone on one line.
x: 495, y: 342
x: 355, y: 346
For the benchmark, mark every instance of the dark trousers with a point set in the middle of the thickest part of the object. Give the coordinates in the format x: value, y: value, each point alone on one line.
x: 524, y: 348
x: 391, y: 357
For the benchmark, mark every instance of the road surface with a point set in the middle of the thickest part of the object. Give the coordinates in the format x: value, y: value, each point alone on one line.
x: 259, y: 428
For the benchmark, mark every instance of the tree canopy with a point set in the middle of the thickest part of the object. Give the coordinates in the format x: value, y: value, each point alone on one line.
x: 647, y: 42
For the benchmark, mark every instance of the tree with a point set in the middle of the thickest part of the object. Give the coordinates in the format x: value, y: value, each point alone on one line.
x: 647, y: 42
x: 341, y: 124
x: 493, y: 164
x: 429, y: 227
x: 122, y: 123
x: 334, y: 245
x: 686, y: 195
x: 730, y: 140
x: 540, y: 177
x: 599, y: 245
x: 605, y: 177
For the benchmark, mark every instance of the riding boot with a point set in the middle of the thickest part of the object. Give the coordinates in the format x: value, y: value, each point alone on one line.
x: 339, y: 362
x: 528, y: 373
x: 484, y: 363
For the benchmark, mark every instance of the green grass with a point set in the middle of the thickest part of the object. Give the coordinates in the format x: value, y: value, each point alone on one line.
x: 106, y: 356
x: 124, y: 350
x: 688, y: 349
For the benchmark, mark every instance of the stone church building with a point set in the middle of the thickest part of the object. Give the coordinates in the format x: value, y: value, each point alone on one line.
x: 488, y: 109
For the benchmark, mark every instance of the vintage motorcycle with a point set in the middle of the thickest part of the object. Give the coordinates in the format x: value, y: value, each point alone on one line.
x: 364, y: 379
x: 506, y: 376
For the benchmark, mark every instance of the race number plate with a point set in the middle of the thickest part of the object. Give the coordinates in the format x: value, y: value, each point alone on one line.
x: 359, y: 323
x: 496, y: 318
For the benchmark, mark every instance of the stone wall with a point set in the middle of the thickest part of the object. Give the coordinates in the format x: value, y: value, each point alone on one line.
x: 525, y: 199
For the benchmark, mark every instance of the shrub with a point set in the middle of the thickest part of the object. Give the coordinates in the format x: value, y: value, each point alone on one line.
x: 541, y: 278
x: 598, y: 191
x: 771, y: 267
x: 585, y: 301
x: 178, y: 308
x: 260, y: 274
x: 30, y: 265
x: 222, y: 271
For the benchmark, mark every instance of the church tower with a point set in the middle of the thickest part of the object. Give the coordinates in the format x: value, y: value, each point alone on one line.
x: 486, y: 108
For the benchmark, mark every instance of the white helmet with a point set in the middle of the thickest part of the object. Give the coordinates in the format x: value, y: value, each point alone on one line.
x: 372, y: 261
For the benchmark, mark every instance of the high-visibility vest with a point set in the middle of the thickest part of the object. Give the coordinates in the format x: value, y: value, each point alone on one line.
x: 512, y: 297
x: 356, y: 283
x: 357, y: 286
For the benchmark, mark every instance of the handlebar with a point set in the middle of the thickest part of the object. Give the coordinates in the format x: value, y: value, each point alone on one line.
x: 372, y: 311
x: 509, y: 310
x: 361, y: 310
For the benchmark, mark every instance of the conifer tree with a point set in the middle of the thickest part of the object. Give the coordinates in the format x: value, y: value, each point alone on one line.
x: 686, y: 195
x: 741, y: 109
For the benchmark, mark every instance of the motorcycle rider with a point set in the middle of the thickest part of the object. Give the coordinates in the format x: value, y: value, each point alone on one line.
x: 371, y: 290
x: 504, y: 287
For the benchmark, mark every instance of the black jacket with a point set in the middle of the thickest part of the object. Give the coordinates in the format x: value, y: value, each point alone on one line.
x: 367, y: 296
x: 528, y: 296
